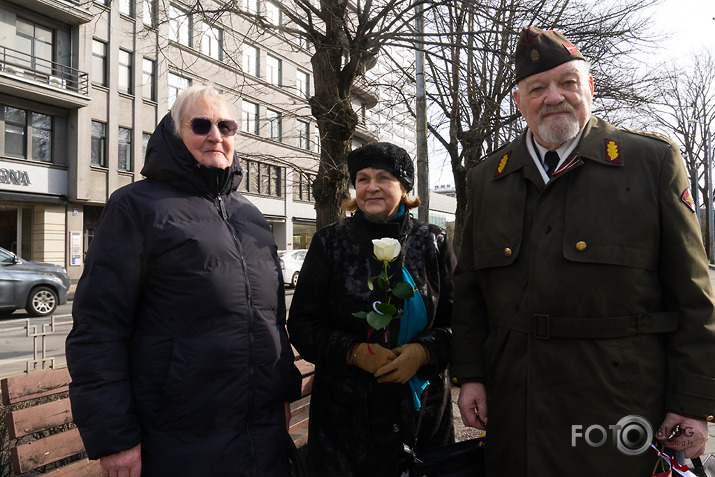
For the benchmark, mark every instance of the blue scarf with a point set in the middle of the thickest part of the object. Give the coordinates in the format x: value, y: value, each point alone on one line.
x: 412, y: 323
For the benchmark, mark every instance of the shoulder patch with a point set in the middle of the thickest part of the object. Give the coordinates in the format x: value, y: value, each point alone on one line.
x: 502, y: 164
x: 687, y: 198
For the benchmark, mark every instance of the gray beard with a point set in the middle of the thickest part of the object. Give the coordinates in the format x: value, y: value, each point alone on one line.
x: 559, y: 131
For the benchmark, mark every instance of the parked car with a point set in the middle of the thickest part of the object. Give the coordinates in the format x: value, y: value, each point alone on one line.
x: 37, y: 287
x: 291, y: 262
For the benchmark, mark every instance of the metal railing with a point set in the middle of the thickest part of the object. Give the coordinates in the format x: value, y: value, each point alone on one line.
x: 43, y: 71
x: 39, y: 333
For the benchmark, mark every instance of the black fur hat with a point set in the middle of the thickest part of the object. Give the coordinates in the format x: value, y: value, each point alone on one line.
x: 383, y: 155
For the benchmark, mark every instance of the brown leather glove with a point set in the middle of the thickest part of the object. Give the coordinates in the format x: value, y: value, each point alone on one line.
x: 361, y: 356
x: 410, y: 358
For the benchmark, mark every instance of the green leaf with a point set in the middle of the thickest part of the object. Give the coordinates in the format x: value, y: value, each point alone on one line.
x: 381, y: 282
x: 386, y: 308
x: 377, y: 321
x: 370, y: 284
x: 360, y: 314
x: 403, y: 290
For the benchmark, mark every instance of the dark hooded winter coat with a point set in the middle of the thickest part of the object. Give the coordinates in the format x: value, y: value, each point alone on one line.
x: 179, y: 338
x: 357, y: 426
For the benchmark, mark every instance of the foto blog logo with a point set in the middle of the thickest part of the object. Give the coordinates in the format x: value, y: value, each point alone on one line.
x: 632, y: 435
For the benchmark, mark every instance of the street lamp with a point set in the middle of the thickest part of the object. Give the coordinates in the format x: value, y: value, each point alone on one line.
x: 693, y: 167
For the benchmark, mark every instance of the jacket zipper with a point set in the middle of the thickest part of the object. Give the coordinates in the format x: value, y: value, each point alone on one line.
x: 219, y: 203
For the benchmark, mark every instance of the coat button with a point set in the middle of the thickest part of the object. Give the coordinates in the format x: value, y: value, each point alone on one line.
x: 507, y: 252
x: 709, y: 419
x: 581, y: 246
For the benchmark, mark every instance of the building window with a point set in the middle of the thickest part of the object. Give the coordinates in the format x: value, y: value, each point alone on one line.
x: 261, y: 178
x: 177, y: 84
x: 102, y: 2
x: 99, y: 62
x: 99, y: 144
x: 41, y: 137
x: 34, y: 46
x: 274, y: 124
x: 250, y: 6
x: 273, y: 14
x: 21, y: 125
x: 250, y: 60
x: 303, y: 186
x: 249, y: 116
x: 149, y: 79
x: 302, y: 84
x: 125, y: 72
x: 149, y: 14
x: 126, y: 7
x: 303, y: 133
x: 124, y: 158
x: 15, y: 121
x: 212, y: 41
x: 273, y: 70
x: 145, y: 144
x: 180, y: 26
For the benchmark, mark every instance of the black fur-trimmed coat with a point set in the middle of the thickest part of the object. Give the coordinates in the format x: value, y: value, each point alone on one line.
x: 357, y: 426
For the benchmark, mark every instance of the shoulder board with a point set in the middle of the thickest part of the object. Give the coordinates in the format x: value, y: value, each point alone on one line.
x: 650, y: 134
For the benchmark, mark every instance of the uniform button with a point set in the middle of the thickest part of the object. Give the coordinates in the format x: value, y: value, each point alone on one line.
x: 507, y: 252
x: 581, y: 246
x: 709, y: 419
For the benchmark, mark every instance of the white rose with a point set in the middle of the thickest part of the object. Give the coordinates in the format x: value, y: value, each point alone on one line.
x: 386, y: 249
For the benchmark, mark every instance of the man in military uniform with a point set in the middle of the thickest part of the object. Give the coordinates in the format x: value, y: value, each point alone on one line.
x: 583, y: 323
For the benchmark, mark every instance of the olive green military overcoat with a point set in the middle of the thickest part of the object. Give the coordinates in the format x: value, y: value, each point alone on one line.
x: 583, y: 302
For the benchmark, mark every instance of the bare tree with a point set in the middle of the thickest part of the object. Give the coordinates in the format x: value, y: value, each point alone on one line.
x: 470, y: 67
x: 684, y: 109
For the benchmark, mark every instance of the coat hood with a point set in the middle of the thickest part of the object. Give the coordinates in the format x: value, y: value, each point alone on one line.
x: 169, y: 160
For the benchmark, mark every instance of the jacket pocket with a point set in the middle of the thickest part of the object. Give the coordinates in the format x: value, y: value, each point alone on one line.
x: 621, y: 227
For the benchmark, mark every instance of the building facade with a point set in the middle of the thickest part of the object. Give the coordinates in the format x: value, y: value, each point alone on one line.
x: 83, y: 83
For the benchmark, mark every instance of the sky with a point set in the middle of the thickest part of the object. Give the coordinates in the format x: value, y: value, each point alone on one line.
x: 691, y: 25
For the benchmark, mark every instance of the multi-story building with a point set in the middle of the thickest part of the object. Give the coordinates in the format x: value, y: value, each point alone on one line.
x: 84, y: 82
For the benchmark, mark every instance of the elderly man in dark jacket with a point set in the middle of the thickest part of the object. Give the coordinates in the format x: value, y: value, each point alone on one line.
x: 583, y: 323
x: 179, y: 357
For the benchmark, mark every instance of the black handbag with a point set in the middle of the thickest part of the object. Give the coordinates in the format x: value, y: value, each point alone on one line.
x: 460, y: 459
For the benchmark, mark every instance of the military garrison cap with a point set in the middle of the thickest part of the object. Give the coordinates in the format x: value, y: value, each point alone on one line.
x: 540, y: 50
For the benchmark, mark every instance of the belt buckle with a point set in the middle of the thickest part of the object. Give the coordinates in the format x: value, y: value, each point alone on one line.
x: 541, y: 326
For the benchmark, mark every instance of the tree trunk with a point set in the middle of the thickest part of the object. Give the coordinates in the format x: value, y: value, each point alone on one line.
x: 332, y: 108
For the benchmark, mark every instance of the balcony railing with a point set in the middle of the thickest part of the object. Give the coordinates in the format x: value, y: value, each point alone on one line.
x: 43, y: 71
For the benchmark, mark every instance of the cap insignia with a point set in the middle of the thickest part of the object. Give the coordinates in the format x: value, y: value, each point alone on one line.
x: 534, y: 55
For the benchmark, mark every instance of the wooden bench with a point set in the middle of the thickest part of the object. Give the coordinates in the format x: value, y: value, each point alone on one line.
x: 41, y: 431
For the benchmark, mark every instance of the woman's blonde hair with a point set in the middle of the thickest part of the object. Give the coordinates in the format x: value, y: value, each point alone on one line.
x: 411, y: 203
x: 188, y: 98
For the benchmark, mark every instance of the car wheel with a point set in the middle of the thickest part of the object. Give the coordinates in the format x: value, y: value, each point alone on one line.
x: 294, y: 279
x: 41, y: 302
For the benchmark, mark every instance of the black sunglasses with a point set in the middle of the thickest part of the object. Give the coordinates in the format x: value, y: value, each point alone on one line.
x: 202, y: 126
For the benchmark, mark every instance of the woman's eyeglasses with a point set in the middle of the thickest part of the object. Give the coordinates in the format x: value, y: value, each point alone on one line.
x: 202, y: 126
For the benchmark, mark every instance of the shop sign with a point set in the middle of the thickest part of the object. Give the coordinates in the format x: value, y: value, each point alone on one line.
x: 8, y: 176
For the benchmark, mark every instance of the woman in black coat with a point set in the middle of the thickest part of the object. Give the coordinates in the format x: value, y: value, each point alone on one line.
x: 365, y: 397
x: 179, y: 357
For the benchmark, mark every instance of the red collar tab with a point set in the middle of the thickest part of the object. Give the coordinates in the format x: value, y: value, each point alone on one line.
x: 502, y: 164
x: 613, y: 151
